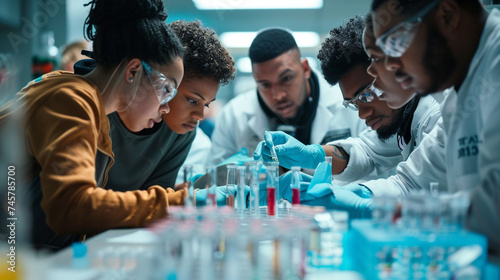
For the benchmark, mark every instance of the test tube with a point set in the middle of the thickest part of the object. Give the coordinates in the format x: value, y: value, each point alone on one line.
x: 230, y: 184
x: 254, y: 170
x: 276, y: 183
x: 241, y: 189
x: 434, y: 186
x: 459, y: 204
x: 329, y: 173
x: 211, y: 185
x: 295, y: 185
x: 271, y: 190
x: 188, y: 174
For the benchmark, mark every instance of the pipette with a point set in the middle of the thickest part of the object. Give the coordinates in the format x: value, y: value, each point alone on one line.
x: 274, y: 156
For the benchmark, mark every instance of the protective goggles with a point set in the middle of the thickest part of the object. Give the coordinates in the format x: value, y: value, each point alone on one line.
x: 165, y: 90
x: 398, y: 39
x: 366, y: 95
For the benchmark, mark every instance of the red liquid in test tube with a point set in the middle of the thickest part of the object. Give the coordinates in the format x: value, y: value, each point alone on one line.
x: 295, y: 196
x: 271, y: 201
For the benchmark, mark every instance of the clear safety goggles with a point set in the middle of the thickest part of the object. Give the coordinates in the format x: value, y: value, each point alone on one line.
x: 398, y: 39
x: 165, y: 90
x: 366, y: 95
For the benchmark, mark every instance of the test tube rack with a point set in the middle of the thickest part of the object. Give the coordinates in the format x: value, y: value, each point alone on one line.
x: 398, y: 253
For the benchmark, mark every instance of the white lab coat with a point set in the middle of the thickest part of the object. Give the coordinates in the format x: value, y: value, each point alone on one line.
x: 473, y: 130
x: 463, y: 150
x: 370, y: 156
x: 197, y: 155
x: 242, y: 123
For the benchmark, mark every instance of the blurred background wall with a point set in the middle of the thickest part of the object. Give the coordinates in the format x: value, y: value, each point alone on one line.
x: 38, y: 28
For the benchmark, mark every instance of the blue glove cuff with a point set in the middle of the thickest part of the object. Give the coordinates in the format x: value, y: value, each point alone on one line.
x: 318, y: 154
x: 365, y: 192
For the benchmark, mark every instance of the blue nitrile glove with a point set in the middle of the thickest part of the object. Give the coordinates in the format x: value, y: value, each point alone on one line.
x: 322, y: 174
x: 359, y: 189
x: 290, y: 151
x: 220, y: 195
x: 286, y: 180
x: 337, y: 198
x: 239, y: 158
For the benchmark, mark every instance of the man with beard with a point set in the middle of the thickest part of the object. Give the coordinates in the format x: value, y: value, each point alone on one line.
x: 453, y: 46
x: 344, y: 61
x: 288, y: 98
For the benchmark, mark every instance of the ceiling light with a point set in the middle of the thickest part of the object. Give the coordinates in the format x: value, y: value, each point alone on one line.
x: 257, y: 4
x: 244, y: 39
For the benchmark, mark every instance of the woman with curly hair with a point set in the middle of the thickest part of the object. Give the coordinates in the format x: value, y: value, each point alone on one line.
x: 68, y: 148
x: 154, y: 156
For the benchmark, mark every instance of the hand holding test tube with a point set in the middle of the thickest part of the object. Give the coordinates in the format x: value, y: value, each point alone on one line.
x: 288, y: 151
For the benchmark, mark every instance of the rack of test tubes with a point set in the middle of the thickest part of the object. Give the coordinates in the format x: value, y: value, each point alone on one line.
x: 217, y: 243
x: 428, y: 240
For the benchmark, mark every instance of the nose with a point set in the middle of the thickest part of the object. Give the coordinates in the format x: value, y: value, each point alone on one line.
x: 277, y: 93
x: 364, y: 110
x: 392, y: 63
x: 164, y: 109
x: 199, y: 114
x: 371, y: 70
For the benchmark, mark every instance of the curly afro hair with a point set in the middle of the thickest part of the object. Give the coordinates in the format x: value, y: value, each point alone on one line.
x: 342, y: 50
x: 204, y: 55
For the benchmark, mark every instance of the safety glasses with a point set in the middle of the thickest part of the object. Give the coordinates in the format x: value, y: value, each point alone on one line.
x: 165, y: 90
x: 366, y: 95
x: 398, y: 39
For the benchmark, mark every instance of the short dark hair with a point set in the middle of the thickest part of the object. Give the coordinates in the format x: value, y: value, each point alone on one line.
x: 204, y: 55
x: 130, y: 29
x: 403, y: 6
x: 271, y: 43
x: 412, y: 6
x: 342, y: 50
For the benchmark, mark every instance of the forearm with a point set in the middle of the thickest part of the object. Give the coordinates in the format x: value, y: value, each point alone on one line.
x: 340, y: 158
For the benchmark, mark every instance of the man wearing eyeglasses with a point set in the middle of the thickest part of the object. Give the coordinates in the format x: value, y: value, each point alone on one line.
x: 395, y: 132
x: 454, y: 46
x: 393, y: 137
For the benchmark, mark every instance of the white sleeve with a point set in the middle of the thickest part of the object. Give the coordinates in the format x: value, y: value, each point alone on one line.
x: 484, y: 212
x: 426, y: 164
x: 197, y: 156
x: 367, y: 153
x: 223, y: 141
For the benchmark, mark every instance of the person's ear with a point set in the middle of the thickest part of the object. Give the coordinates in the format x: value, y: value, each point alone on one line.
x: 306, y: 67
x: 448, y: 16
x: 134, y: 66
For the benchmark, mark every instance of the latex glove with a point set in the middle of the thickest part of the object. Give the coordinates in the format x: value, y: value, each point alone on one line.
x: 337, y: 198
x: 290, y: 151
x: 286, y: 180
x: 220, y: 195
x: 239, y: 158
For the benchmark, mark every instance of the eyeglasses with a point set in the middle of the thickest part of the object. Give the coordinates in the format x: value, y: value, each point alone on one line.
x: 165, y: 90
x: 366, y: 95
x: 398, y: 39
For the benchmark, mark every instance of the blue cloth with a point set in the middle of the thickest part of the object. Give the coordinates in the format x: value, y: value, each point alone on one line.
x: 290, y: 151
